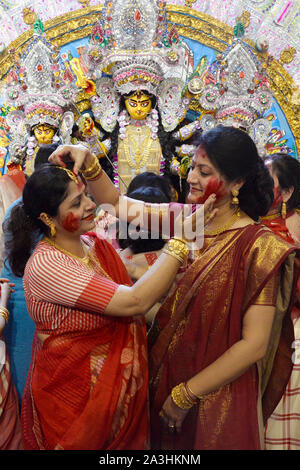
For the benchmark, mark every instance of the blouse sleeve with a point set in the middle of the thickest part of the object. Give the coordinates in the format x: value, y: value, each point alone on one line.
x: 268, y: 295
x: 55, y: 278
x: 263, y: 270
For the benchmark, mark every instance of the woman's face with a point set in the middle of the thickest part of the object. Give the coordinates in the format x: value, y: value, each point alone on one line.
x: 204, y: 180
x: 76, y: 213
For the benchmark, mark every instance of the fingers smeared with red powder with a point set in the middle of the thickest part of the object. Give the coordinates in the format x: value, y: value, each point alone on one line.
x: 214, y: 186
x: 277, y: 198
x: 71, y: 222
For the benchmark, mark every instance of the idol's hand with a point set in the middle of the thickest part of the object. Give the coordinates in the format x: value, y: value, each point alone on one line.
x: 172, y: 416
x: 79, y: 154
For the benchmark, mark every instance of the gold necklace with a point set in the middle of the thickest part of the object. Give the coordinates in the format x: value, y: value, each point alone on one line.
x: 85, y: 260
x: 141, y: 155
x: 225, y: 227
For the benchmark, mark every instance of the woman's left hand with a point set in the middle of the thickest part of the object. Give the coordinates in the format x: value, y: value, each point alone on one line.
x: 172, y: 415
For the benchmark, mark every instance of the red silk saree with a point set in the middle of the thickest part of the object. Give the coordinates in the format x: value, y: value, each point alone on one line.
x: 199, y: 321
x: 87, y: 388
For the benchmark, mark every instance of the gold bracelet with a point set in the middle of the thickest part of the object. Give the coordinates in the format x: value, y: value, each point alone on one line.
x: 180, y: 399
x: 178, y: 249
x: 191, y: 393
x: 92, y: 167
x: 4, y: 313
x: 95, y: 175
x: 187, y: 393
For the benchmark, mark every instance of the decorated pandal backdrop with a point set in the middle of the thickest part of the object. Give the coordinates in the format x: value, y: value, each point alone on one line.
x: 134, y: 79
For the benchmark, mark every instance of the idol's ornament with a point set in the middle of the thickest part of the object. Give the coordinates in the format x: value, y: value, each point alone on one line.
x: 42, y: 100
x: 141, y: 70
x: 237, y: 92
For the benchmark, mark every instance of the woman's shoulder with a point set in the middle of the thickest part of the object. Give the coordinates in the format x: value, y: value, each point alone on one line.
x: 42, y: 254
x: 268, y: 246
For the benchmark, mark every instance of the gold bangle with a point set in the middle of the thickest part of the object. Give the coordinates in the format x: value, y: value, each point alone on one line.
x: 94, y: 176
x: 178, y: 249
x: 188, y: 395
x: 180, y: 399
x: 92, y: 167
x: 4, y: 313
x: 191, y: 393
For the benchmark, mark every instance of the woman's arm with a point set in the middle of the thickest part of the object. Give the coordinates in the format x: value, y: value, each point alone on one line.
x: 256, y: 330
x: 148, y: 290
x: 104, y: 192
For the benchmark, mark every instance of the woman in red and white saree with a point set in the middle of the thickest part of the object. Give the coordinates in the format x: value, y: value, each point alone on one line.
x: 88, y: 384
x: 87, y: 387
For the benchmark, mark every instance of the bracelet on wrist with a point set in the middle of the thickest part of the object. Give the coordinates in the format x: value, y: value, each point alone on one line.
x: 4, y: 313
x: 93, y: 172
x: 94, y: 176
x: 191, y: 393
x: 178, y: 249
x: 181, y: 398
x: 92, y: 167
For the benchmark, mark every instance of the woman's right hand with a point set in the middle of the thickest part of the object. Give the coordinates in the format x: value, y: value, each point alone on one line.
x: 79, y: 154
x: 187, y: 228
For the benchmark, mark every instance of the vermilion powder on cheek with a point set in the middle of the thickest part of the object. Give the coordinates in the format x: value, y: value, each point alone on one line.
x: 214, y: 186
x: 71, y: 222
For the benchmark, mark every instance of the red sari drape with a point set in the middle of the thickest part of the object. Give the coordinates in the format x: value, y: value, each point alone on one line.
x: 10, y: 426
x: 197, y: 324
x: 88, y: 390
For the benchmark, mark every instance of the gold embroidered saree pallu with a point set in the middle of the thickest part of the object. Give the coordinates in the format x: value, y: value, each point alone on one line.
x: 197, y: 323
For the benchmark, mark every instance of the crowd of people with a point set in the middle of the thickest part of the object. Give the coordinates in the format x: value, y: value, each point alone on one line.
x: 158, y: 344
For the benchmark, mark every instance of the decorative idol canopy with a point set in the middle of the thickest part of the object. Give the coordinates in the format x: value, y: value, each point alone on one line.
x: 237, y: 92
x: 131, y: 43
x: 36, y: 91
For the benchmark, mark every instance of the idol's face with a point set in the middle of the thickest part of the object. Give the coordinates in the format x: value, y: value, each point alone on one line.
x: 44, y: 134
x: 138, y: 105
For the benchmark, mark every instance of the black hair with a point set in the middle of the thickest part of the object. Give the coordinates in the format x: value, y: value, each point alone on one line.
x: 235, y: 156
x: 148, y: 178
x: 43, y: 154
x: 44, y: 191
x: 287, y: 170
x: 150, y: 193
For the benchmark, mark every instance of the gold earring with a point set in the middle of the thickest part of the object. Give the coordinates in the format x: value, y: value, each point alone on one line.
x: 283, y: 210
x: 50, y: 224
x: 235, y: 199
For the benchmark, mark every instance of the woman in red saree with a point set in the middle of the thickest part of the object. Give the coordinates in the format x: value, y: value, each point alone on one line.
x: 10, y: 425
x: 87, y: 387
x: 282, y: 430
x: 216, y: 336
